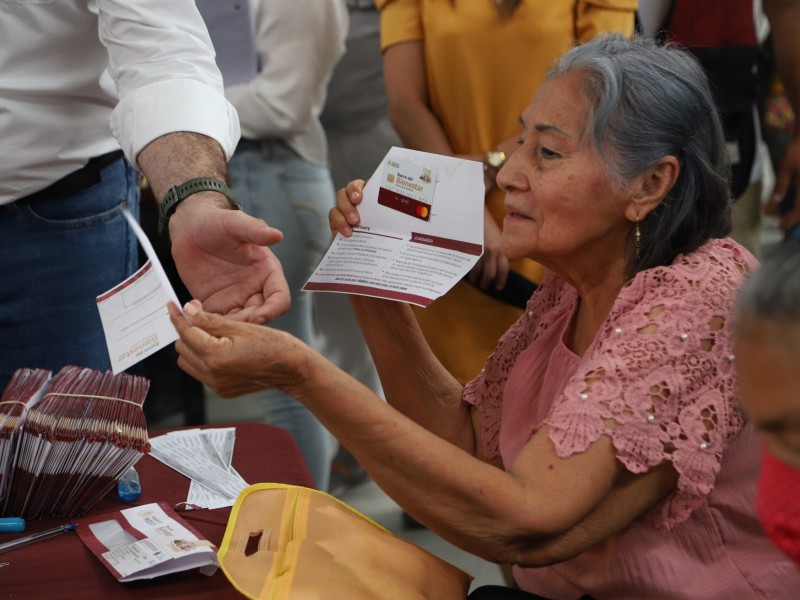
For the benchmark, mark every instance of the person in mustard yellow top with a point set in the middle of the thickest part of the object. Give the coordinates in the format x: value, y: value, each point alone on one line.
x: 458, y: 74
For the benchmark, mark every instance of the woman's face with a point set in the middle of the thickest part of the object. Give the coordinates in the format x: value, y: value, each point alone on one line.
x: 561, y: 208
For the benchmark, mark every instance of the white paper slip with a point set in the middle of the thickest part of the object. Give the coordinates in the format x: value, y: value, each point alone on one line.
x: 134, y: 313
x: 205, y: 459
x: 221, y: 439
x: 214, y: 444
x: 421, y: 231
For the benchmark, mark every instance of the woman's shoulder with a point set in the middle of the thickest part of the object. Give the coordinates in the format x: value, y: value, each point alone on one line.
x: 690, y: 299
x: 721, y: 254
x: 400, y: 21
x: 710, y: 274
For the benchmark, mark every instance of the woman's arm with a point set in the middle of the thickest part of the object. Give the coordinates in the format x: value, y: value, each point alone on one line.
x: 409, y: 105
x: 413, y: 379
x: 420, y: 129
x: 543, y: 510
x: 407, y: 95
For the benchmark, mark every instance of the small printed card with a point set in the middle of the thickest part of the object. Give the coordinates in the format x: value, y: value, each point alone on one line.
x: 147, y: 541
x: 134, y: 313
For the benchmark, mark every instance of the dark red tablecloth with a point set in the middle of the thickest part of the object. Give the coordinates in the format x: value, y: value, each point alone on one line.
x: 62, y: 567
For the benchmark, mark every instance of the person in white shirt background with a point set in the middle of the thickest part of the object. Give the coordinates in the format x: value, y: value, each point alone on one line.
x: 276, y: 58
x: 79, y: 80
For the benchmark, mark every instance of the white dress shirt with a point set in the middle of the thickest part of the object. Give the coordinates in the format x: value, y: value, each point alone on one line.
x: 298, y: 43
x: 76, y: 74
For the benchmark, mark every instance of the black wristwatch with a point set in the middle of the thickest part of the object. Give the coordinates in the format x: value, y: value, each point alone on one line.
x: 179, y: 193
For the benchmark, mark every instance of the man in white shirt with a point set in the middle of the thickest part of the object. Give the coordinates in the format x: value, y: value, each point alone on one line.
x: 78, y: 80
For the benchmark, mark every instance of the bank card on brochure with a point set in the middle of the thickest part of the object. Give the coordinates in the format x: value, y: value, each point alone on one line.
x: 421, y: 231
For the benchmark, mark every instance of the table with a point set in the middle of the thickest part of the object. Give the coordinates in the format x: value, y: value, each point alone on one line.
x: 62, y: 567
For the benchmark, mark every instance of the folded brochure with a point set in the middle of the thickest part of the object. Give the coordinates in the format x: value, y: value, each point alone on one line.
x: 147, y: 541
x: 421, y: 231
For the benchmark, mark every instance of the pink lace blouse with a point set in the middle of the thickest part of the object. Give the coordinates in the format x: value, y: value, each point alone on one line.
x: 661, y: 370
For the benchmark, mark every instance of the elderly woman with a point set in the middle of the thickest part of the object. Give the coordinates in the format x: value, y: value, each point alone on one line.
x: 767, y: 344
x: 601, y: 450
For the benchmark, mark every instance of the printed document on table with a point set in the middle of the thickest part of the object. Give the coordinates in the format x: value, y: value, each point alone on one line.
x: 134, y: 313
x: 204, y: 456
x: 146, y: 541
x: 421, y: 231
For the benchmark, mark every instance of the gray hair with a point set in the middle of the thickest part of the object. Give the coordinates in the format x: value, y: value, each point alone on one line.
x: 649, y: 101
x: 772, y: 292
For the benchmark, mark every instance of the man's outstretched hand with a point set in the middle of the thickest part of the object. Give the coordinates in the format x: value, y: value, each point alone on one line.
x: 223, y: 258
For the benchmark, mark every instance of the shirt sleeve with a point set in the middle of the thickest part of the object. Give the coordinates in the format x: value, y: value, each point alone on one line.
x: 401, y: 21
x: 593, y: 17
x: 659, y: 381
x: 299, y: 43
x: 162, y: 62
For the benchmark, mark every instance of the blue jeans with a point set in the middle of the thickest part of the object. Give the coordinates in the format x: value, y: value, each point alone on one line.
x: 293, y: 195
x: 56, y: 256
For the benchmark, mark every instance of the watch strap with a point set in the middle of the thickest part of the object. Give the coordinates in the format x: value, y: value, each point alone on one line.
x: 179, y: 193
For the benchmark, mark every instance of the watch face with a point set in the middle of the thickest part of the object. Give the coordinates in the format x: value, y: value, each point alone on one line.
x: 496, y: 159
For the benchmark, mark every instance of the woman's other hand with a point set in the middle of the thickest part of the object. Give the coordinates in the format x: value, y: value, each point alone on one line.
x: 345, y: 215
x: 492, y: 267
x: 786, y: 181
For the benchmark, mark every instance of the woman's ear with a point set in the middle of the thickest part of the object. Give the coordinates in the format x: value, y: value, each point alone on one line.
x: 653, y: 187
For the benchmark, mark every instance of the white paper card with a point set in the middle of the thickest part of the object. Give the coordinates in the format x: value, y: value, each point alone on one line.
x: 421, y: 231
x: 134, y: 313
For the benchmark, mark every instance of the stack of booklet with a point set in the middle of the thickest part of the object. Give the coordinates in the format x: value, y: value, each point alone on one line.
x: 66, y: 440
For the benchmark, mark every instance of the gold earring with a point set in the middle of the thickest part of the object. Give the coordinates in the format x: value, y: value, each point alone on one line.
x: 637, y: 240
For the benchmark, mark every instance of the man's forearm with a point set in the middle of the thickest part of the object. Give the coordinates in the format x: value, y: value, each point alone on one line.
x: 177, y: 157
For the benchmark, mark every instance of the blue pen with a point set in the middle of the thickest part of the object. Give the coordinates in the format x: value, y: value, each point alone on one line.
x: 35, y: 537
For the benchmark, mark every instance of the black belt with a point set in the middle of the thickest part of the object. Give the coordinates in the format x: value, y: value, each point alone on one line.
x: 76, y: 181
x: 246, y: 144
x: 362, y: 5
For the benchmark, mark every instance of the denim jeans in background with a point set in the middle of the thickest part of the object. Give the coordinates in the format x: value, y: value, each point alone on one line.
x: 56, y: 256
x: 273, y: 183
